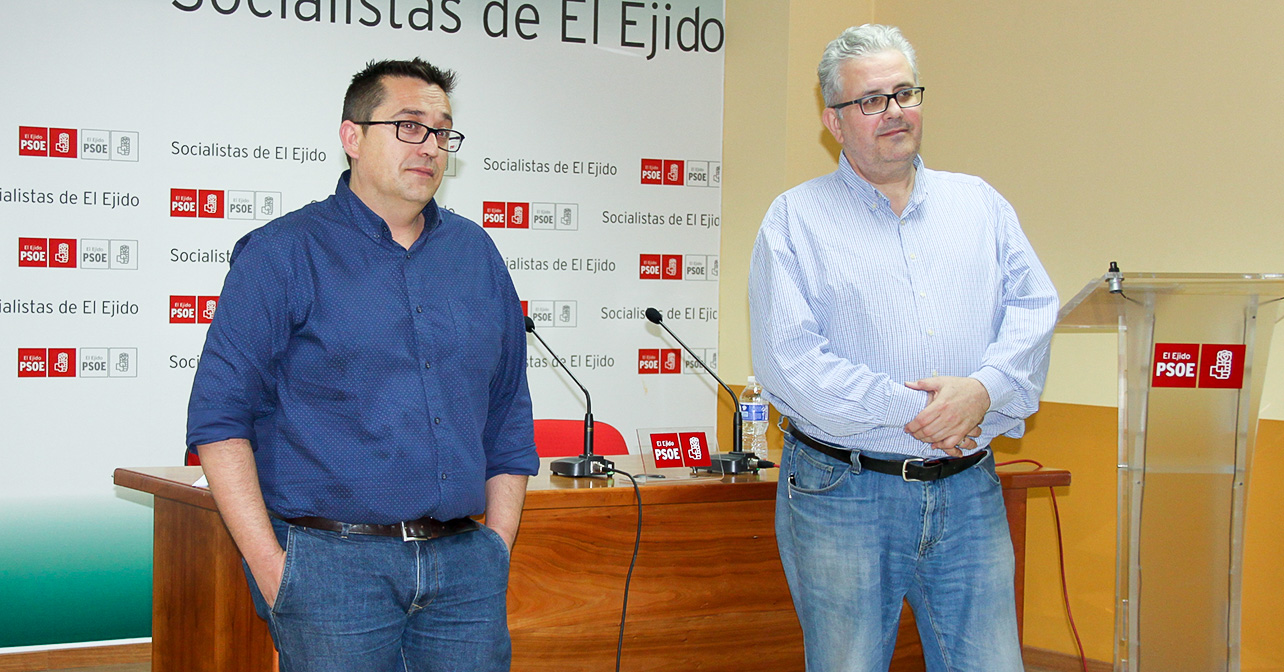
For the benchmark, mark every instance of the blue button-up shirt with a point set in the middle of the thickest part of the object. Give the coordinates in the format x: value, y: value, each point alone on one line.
x: 375, y: 383
x: 848, y: 301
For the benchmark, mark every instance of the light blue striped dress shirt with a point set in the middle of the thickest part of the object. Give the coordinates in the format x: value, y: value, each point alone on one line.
x: 847, y: 302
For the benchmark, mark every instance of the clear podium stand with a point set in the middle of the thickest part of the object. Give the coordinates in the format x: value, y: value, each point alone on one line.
x: 1192, y: 358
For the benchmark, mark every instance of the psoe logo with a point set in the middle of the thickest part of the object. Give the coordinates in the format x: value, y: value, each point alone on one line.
x: 109, y: 362
x: 530, y: 215
x: 649, y: 266
x: 680, y: 449
x: 551, y: 313
x: 1202, y: 365
x: 659, y: 360
x: 71, y: 143
x: 82, y: 362
x: 660, y: 267
x: 192, y: 309
x: 1222, y: 365
x: 87, y: 253
x: 677, y: 267
x: 708, y: 355
x: 681, y: 172
x: 223, y: 204
x: 46, y: 362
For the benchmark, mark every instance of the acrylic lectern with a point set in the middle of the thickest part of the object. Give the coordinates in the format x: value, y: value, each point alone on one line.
x: 1192, y: 359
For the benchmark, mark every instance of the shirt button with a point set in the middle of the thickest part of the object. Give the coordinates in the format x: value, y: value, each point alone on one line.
x: 419, y: 309
x: 902, y: 222
x: 443, y: 475
x: 427, y: 365
x: 931, y: 332
x: 436, y: 421
x: 935, y: 372
x: 913, y: 256
x: 922, y: 294
x: 408, y: 254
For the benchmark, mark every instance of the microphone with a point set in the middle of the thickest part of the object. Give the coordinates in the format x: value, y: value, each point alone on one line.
x: 1114, y: 279
x: 737, y: 461
x: 585, y: 464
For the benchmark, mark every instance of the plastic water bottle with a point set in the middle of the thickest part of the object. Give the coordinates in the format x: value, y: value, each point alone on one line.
x: 753, y: 413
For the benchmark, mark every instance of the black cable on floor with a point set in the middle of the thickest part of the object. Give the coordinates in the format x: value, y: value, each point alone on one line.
x: 637, y: 543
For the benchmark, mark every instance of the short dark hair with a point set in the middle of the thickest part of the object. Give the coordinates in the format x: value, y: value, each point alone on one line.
x: 366, y: 91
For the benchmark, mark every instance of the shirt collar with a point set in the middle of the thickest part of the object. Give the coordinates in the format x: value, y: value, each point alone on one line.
x: 871, y: 196
x: 365, y: 219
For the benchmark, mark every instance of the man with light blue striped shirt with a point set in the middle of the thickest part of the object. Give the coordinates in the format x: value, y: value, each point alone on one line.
x: 900, y: 320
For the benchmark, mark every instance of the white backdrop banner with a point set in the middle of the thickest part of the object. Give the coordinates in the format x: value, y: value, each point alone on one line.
x: 146, y: 137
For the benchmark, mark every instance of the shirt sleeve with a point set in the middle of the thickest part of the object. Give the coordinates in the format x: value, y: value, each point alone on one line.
x: 234, y: 383
x: 795, y: 361
x: 1015, y: 365
x: 509, y: 434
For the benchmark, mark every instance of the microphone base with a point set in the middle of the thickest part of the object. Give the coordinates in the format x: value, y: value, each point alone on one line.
x: 735, y: 462
x: 581, y: 466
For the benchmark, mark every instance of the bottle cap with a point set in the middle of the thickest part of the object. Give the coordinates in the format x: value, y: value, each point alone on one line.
x: 753, y: 381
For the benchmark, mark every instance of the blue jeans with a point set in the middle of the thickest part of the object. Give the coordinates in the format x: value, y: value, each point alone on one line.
x: 855, y: 543
x: 361, y: 603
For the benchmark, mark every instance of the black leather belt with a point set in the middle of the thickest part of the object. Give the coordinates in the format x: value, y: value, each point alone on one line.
x: 422, y: 529
x: 912, y: 469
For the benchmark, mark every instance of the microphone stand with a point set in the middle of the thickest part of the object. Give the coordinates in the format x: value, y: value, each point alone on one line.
x: 737, y: 461
x: 585, y: 464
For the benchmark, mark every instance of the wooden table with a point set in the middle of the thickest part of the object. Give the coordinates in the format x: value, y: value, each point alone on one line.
x: 708, y: 591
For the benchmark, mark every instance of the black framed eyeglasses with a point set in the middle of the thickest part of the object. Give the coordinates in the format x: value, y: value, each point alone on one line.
x: 415, y: 133
x: 878, y: 102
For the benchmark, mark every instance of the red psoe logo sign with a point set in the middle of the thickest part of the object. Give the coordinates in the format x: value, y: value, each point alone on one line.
x: 652, y: 171
x: 494, y: 214
x: 685, y: 449
x: 667, y: 450
x: 182, y: 309
x: 519, y: 215
x: 32, y: 363
x: 671, y: 361
x: 671, y: 267
x: 62, y: 362
x: 1221, y: 366
x: 182, y: 202
x: 1207, y: 365
x: 205, y: 307
x: 33, y: 252
x: 649, y: 266
x: 33, y: 141
x: 674, y: 172
x: 1176, y: 365
x: 62, y: 253
x: 695, y: 449
x: 210, y: 203
x: 62, y: 142
x: 648, y: 360
x: 192, y: 309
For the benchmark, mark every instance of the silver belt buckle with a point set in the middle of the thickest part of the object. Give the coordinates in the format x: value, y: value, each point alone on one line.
x: 905, y: 468
x: 406, y: 536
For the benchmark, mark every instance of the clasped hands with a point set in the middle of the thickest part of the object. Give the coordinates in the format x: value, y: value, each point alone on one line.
x: 952, y: 419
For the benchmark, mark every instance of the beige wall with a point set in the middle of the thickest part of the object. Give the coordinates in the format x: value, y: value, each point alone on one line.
x: 771, y: 137
x: 1146, y: 132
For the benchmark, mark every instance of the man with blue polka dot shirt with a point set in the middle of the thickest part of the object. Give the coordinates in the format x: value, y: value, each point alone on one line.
x: 362, y: 393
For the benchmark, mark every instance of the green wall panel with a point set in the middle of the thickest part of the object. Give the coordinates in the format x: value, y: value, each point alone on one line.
x: 74, y: 570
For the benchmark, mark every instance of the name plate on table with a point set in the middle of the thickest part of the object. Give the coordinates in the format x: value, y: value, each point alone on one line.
x: 669, y: 447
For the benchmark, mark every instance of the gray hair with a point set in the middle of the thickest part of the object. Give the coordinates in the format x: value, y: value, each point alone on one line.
x: 858, y: 42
